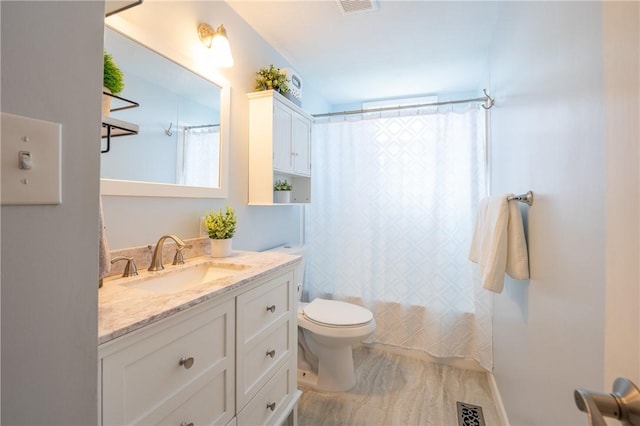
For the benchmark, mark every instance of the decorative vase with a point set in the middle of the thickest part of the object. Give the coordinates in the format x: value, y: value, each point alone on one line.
x: 106, y: 102
x: 220, y: 248
x: 283, y: 196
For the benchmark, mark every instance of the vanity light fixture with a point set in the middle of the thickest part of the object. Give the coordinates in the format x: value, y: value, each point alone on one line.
x: 218, y: 42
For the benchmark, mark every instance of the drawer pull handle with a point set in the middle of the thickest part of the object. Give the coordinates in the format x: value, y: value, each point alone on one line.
x: 271, y: 308
x: 186, y: 424
x: 271, y: 353
x: 272, y: 406
x: 186, y: 362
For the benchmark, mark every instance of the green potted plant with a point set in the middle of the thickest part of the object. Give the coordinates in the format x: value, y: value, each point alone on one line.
x: 221, y: 225
x: 112, y: 82
x: 271, y: 79
x: 282, y: 191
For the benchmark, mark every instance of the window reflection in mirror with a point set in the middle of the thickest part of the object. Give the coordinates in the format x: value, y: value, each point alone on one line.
x: 179, y: 121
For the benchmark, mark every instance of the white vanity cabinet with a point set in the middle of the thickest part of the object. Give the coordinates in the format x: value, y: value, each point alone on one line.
x: 279, y: 147
x: 180, y: 369
x: 227, y: 361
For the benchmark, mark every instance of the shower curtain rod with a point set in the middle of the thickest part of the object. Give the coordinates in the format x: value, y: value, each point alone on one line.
x: 486, y: 100
x: 201, y: 126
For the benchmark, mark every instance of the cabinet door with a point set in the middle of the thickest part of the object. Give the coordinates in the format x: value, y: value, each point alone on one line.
x: 146, y: 377
x: 282, y: 117
x: 301, y: 141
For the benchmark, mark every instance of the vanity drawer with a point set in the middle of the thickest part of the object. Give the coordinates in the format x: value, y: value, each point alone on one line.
x: 266, y: 408
x: 142, y: 371
x: 260, y: 308
x: 260, y: 360
x: 206, y: 403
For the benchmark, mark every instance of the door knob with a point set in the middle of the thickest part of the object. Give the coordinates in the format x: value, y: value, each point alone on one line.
x: 622, y: 404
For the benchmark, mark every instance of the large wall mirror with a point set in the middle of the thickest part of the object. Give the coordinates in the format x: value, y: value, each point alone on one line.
x: 181, y: 148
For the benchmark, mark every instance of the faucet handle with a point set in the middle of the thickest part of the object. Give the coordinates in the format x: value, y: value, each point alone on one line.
x: 178, y: 259
x: 130, y: 269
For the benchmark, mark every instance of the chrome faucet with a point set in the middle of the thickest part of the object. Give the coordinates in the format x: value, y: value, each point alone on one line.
x: 130, y: 269
x: 156, y: 260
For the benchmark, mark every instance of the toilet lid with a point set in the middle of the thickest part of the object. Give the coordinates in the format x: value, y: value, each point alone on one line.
x: 336, y: 313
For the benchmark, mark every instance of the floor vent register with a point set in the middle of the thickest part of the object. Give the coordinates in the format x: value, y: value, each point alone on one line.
x: 469, y: 414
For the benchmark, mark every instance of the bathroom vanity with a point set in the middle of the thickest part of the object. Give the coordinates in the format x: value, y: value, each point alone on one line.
x: 178, y: 348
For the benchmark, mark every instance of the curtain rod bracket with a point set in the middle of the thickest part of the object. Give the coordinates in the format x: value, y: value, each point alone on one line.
x: 489, y: 102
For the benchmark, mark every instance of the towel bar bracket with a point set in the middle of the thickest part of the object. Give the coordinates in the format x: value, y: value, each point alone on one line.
x: 523, y: 198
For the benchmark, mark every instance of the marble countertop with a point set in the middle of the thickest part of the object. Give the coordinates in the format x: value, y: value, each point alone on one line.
x: 124, y: 308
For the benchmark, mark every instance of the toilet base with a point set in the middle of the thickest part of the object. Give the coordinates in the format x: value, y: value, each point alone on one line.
x: 335, y: 363
x: 308, y: 379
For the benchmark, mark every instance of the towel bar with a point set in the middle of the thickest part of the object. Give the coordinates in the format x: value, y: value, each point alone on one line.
x: 523, y: 198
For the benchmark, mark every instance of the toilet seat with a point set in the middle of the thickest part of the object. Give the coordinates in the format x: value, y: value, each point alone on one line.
x: 334, y: 313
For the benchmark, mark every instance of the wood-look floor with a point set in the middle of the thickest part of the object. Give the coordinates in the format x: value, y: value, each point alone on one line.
x: 396, y: 390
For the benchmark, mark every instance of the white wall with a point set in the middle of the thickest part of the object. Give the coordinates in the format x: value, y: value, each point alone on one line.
x: 51, y: 70
x: 140, y: 221
x: 551, y: 134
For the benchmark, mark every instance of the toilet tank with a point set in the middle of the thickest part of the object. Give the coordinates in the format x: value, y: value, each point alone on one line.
x: 298, y: 273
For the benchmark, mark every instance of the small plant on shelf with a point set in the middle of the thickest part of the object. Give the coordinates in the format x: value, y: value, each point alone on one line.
x: 282, y: 186
x: 221, y: 225
x: 271, y: 79
x: 113, y: 79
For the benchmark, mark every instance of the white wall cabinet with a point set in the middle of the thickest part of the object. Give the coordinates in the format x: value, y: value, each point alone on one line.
x: 279, y: 147
x: 228, y: 361
x: 301, y: 145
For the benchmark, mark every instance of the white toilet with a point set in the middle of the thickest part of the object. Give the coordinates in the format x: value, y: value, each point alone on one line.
x: 328, y: 329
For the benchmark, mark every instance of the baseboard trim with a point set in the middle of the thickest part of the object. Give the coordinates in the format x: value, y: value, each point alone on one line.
x: 502, y: 413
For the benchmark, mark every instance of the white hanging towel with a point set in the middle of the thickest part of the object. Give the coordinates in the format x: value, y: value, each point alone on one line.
x: 498, y: 243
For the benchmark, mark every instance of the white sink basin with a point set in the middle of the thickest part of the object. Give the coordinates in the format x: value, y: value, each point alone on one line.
x: 184, y: 278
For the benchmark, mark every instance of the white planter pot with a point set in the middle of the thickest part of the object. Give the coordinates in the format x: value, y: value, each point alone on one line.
x: 220, y: 248
x: 282, y: 196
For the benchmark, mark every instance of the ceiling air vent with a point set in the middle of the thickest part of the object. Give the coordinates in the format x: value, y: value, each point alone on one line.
x: 353, y: 6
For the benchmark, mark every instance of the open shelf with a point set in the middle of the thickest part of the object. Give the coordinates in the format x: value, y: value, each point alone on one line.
x: 112, y: 127
x: 117, y: 127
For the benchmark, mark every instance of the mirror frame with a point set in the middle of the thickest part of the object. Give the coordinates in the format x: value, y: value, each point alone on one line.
x: 128, y: 188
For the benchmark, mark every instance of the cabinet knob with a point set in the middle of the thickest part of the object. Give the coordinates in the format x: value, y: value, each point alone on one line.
x: 271, y: 353
x: 271, y: 308
x: 186, y: 424
x: 187, y: 362
x: 271, y: 406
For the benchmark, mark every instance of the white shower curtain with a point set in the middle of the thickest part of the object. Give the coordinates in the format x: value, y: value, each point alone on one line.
x: 394, y: 201
x: 200, y: 157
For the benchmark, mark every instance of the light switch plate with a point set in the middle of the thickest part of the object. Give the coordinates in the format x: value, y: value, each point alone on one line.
x: 42, y: 140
